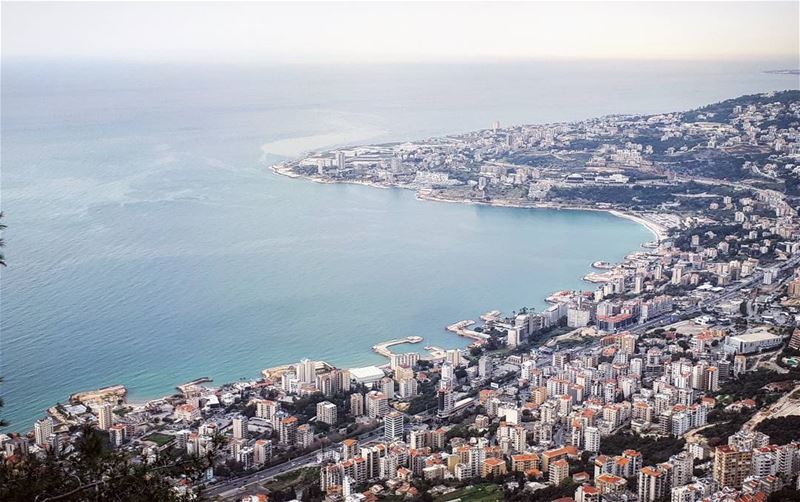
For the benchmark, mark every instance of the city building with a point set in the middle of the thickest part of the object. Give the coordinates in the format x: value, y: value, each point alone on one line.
x: 393, y: 426
x: 327, y: 413
x: 105, y: 416
x: 731, y: 466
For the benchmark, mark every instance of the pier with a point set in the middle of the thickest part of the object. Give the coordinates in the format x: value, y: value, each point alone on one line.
x: 112, y: 392
x: 383, y: 348
x: 192, y: 386
x: 436, y: 352
x: 461, y: 329
x: 492, y: 315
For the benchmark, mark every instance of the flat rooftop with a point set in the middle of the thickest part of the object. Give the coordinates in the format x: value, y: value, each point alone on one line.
x: 755, y: 336
x: 366, y: 373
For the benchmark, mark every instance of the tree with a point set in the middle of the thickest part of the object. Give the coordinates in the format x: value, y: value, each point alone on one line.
x: 781, y: 430
x: 95, y: 472
x: 784, y: 495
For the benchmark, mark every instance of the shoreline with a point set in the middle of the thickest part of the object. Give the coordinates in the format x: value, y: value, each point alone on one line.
x: 660, y: 232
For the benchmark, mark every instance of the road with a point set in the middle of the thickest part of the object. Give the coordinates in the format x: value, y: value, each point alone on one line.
x: 232, y: 487
x: 725, y: 295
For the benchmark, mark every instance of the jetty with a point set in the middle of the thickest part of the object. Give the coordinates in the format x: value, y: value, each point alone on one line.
x: 599, y: 278
x: 461, y: 329
x: 460, y: 325
x: 192, y: 386
x: 436, y: 352
x: 383, y: 348
x: 110, y: 393
x: 492, y: 315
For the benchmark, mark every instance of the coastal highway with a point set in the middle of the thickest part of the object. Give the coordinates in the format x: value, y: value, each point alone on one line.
x: 725, y: 295
x: 232, y: 487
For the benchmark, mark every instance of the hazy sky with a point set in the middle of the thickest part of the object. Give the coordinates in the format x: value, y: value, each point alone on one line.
x: 448, y: 31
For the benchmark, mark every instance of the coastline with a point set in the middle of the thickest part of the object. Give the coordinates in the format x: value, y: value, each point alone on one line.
x: 660, y: 232
x: 286, y: 171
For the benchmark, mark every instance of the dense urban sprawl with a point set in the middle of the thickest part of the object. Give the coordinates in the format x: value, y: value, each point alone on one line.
x: 677, y: 378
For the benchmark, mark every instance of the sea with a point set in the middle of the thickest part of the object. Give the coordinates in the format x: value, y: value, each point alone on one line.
x: 149, y: 243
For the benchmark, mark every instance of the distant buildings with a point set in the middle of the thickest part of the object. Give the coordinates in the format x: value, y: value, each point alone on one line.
x: 653, y: 484
x: 445, y: 402
x: 731, y: 466
x: 749, y: 343
x: 267, y: 410
x: 327, y: 413
x: 240, y: 427
x: 105, y: 416
x: 42, y: 430
x: 357, y: 404
x: 287, y: 431
x: 377, y: 404
x: 307, y: 371
x: 393, y: 426
x: 541, y: 409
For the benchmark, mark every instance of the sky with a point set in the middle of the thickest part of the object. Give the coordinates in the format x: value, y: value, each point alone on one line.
x: 399, y: 32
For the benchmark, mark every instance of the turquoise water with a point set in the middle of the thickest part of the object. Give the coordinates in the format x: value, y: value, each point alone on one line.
x: 149, y: 244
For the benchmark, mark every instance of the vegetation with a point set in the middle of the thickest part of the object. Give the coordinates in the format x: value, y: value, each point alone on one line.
x: 303, y: 481
x: 96, y: 472
x: 653, y: 451
x: 93, y: 471
x: 565, y: 489
x: 641, y: 196
x: 725, y: 423
x: 781, y: 430
x: 158, y: 438
x: 475, y: 493
x: 784, y: 495
x: 723, y: 111
x: 463, y: 431
x: 751, y: 385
